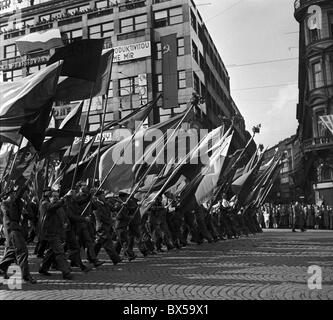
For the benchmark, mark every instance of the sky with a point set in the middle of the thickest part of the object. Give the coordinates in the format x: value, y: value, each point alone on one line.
x: 250, y: 31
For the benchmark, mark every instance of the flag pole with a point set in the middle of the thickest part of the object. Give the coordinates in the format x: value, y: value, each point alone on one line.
x: 194, y: 102
x: 105, y: 104
x: 83, y: 135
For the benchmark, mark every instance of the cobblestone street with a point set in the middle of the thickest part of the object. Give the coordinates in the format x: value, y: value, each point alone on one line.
x: 270, y: 266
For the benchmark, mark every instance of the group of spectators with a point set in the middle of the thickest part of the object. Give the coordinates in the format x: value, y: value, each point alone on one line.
x: 304, y: 216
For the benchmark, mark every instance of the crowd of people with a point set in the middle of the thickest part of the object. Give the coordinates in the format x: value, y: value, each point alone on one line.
x: 86, y: 220
x: 303, y: 216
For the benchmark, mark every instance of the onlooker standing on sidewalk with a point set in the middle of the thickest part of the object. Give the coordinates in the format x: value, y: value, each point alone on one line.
x: 266, y: 217
x: 326, y: 217
x: 317, y: 217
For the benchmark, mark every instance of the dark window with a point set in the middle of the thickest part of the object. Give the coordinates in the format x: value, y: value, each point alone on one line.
x: 195, y: 51
x: 193, y: 21
x: 317, y: 75
x: 314, y: 35
x: 72, y: 35
x: 196, y: 84
x: 330, y: 19
x: 181, y: 79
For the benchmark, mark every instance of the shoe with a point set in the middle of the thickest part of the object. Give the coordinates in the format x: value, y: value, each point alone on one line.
x: 98, y: 263
x: 131, y: 257
x: 68, y: 276
x: 30, y: 280
x: 293, y: 230
x: 210, y: 240
x: 44, y: 273
x: 160, y: 250
x: 74, y: 264
x: 85, y: 268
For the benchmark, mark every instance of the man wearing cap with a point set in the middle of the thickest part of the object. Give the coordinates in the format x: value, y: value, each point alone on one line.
x: 16, y: 249
x: 53, y: 229
x: 102, y: 213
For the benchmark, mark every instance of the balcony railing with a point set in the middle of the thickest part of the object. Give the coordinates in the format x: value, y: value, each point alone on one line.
x: 318, y: 143
x: 132, y: 5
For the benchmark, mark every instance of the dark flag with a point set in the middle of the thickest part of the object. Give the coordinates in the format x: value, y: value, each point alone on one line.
x: 34, y: 130
x: 73, y: 89
x: 81, y: 58
x: 71, y: 122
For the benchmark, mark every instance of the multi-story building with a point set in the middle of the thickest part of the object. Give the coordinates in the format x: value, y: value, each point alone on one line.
x: 315, y: 96
x: 288, y: 185
x: 141, y: 32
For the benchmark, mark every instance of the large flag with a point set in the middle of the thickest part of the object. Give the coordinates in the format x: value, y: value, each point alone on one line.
x: 39, y: 41
x: 22, y: 100
x: 71, y: 122
x: 34, y: 130
x: 328, y: 121
x: 73, y: 89
x: 121, y: 157
x: 81, y: 59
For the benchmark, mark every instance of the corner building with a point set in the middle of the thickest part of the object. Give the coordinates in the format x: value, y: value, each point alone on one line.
x: 140, y: 32
x: 316, y: 97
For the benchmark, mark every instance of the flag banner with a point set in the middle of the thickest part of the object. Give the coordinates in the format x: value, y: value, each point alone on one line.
x: 328, y: 121
x: 39, y: 41
x: 34, y: 130
x: 122, y: 176
x: 71, y: 122
x: 81, y: 58
x: 22, y: 100
x: 73, y: 89
x: 210, y: 178
x: 24, y: 162
x: 6, y: 152
x: 169, y: 71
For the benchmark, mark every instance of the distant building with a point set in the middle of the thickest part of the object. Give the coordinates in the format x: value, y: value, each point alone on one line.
x: 288, y: 185
x: 315, y: 96
x: 140, y: 31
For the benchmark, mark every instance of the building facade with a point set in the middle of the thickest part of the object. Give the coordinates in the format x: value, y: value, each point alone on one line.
x: 288, y: 186
x: 315, y: 96
x: 141, y: 32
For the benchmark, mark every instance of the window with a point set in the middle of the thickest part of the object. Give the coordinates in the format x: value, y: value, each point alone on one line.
x: 73, y: 35
x: 317, y: 75
x: 110, y: 94
x: 284, y: 180
x: 49, y: 16
x: 10, y: 51
x: 165, y: 114
x: 35, y: 69
x: 158, y: 51
x: 23, y: 24
x: 159, y: 83
x: 314, y: 35
x: 4, y: 28
x: 78, y: 9
x: 196, y: 83
x: 180, y: 46
x: 103, y: 30
x: 168, y: 17
x: 128, y: 86
x: 193, y: 21
x: 103, y: 4
x: 195, y: 52
x: 133, y: 23
x: 330, y: 19
x: 12, y: 75
x: 181, y: 79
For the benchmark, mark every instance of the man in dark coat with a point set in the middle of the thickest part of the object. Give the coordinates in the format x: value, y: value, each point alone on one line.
x: 53, y: 230
x: 15, y: 249
x: 102, y: 213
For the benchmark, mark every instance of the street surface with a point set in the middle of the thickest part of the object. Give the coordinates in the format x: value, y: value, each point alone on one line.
x: 269, y: 266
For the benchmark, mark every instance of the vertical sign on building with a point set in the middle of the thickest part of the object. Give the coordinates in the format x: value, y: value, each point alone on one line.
x: 169, y: 71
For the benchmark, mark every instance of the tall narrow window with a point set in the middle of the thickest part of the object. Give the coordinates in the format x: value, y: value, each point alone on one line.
x: 182, y: 79
x: 317, y: 75
x: 180, y: 46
